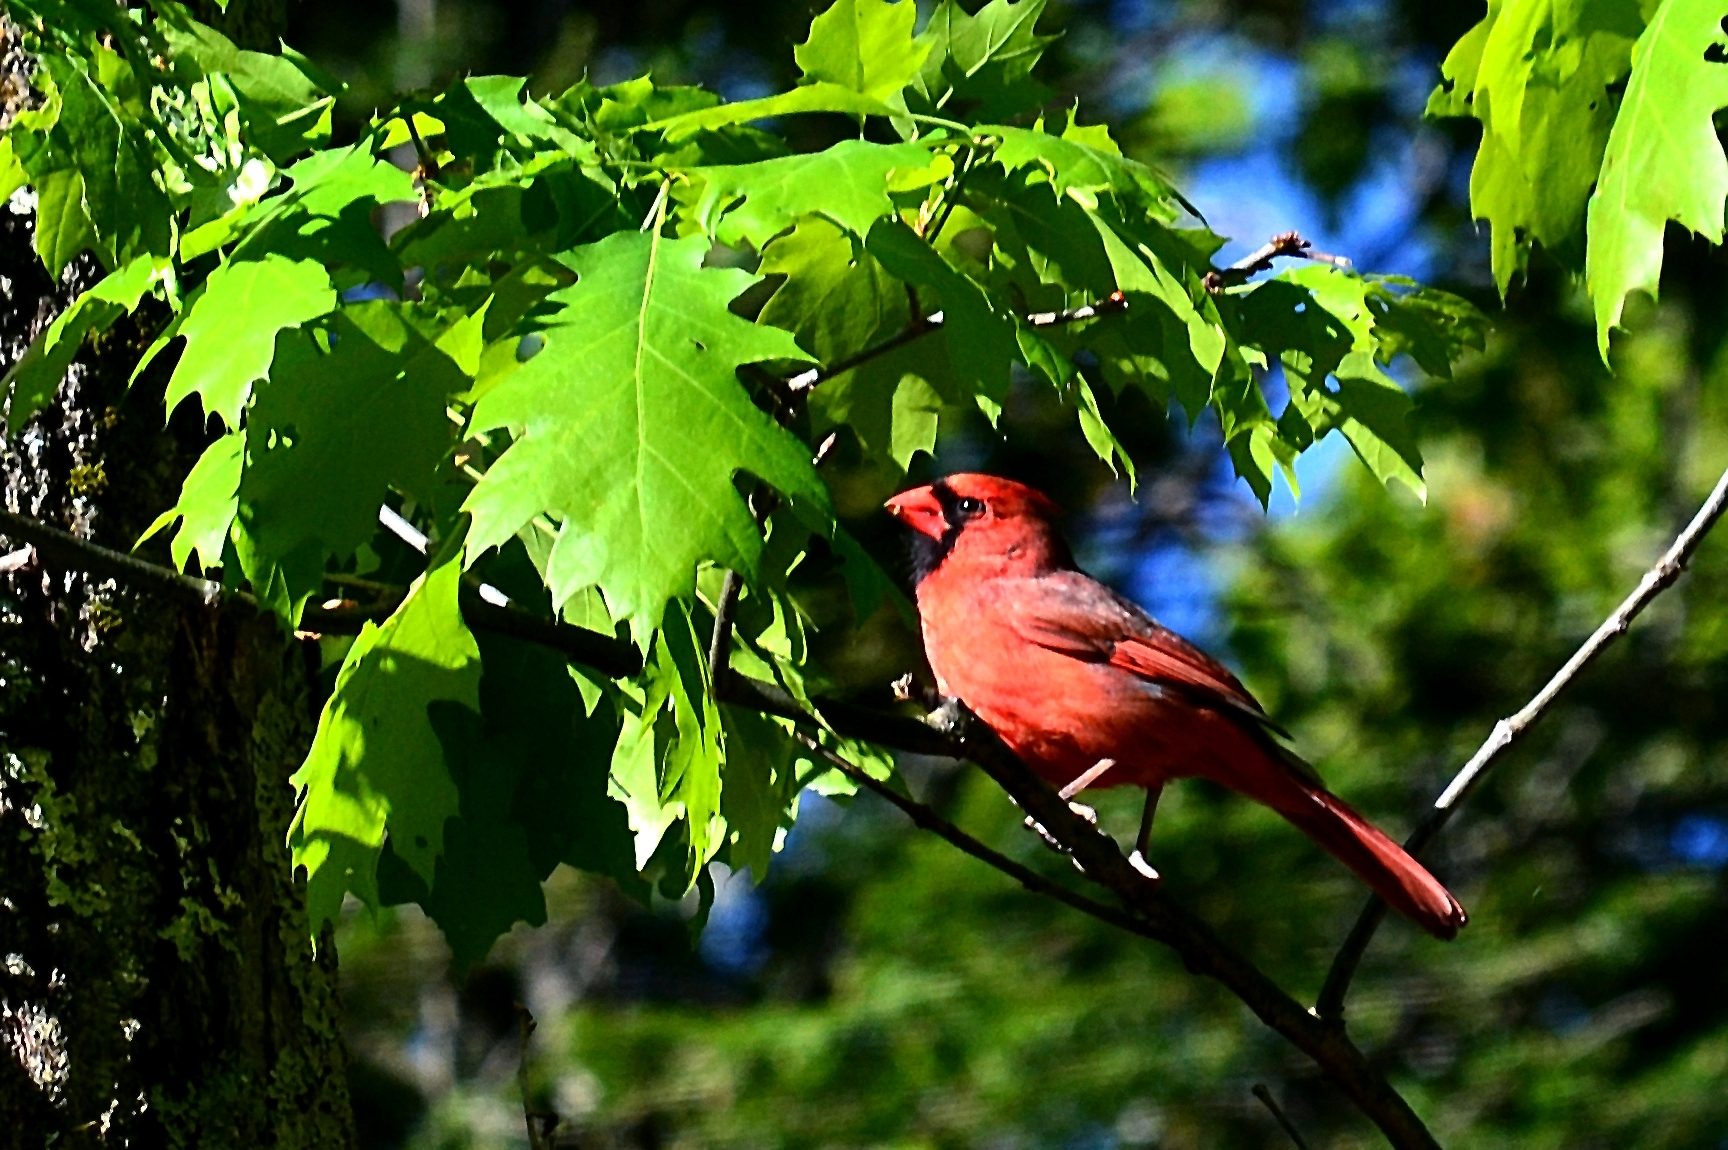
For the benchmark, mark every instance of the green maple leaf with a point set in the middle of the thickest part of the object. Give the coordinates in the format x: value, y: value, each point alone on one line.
x: 209, y: 499
x: 980, y: 335
x: 839, y: 300
x: 836, y: 298
x: 97, y: 134
x: 1325, y: 324
x: 757, y: 785
x: 35, y: 378
x: 631, y: 427
x: 1085, y: 162
x: 1540, y: 78
x: 666, y: 768
x: 326, y: 214
x: 1663, y: 161
x: 377, y: 764
x: 864, y: 45
x: 983, y: 60
x: 283, y: 108
x: 230, y: 328
x: 63, y: 227
x: 329, y: 435
x: 847, y: 183
x: 1164, y: 343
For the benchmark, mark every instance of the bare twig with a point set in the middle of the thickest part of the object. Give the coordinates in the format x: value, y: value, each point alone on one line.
x: 1507, y: 731
x: 1116, y: 302
x: 951, y: 197
x: 1265, y: 1096
x: 541, y: 1123
x: 720, y: 646
x: 926, y: 819
x: 762, y: 504
x: 605, y: 653
x: 920, y: 327
x: 1283, y: 244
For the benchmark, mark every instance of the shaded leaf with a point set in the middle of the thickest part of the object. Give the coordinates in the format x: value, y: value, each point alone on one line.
x: 376, y: 764
x: 35, y: 378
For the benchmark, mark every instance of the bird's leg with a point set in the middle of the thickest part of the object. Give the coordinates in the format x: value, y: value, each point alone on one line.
x: 1138, y: 859
x: 1085, y: 779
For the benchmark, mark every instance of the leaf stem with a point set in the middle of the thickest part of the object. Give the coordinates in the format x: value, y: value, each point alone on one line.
x: 956, y: 125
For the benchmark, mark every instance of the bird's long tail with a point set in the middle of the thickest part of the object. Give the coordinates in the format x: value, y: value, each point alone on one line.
x: 1403, y: 882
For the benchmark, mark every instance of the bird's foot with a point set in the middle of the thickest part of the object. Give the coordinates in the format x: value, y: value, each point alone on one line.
x: 1139, y: 863
x: 908, y: 689
x: 949, y: 717
x: 1051, y: 840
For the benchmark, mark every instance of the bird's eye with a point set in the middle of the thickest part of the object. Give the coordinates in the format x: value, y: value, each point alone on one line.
x: 969, y: 506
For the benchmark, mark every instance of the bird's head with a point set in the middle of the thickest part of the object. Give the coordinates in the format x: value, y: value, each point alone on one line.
x: 989, y: 525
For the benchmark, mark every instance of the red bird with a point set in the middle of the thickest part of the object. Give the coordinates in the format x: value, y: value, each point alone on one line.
x: 1087, y: 688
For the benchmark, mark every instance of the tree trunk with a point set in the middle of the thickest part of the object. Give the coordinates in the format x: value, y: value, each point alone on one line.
x: 157, y: 986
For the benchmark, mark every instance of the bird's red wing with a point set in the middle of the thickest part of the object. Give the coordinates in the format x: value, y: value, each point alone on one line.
x: 1070, y: 612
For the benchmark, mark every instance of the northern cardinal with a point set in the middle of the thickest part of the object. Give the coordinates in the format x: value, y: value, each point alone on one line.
x: 1088, y: 689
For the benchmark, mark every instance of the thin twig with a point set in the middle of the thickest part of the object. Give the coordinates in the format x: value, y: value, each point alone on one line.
x: 927, y: 819
x: 805, y: 380
x: 951, y: 197
x: 1265, y: 1096
x: 1507, y: 731
x: 762, y: 504
x: 720, y: 646
x: 1284, y: 244
x: 605, y: 653
x: 540, y: 1123
x: 428, y: 165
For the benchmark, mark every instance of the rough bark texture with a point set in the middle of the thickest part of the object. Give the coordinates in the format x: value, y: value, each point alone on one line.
x: 157, y: 987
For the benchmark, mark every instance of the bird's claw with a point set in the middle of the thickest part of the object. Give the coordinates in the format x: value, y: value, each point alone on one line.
x: 1050, y: 840
x: 949, y: 717
x: 1139, y: 863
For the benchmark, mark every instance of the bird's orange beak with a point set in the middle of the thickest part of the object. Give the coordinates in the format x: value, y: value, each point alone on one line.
x: 920, y: 510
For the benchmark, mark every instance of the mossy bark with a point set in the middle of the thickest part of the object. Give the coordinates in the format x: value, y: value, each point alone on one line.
x: 157, y: 984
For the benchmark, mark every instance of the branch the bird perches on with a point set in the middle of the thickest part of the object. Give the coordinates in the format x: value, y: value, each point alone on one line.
x: 1145, y: 910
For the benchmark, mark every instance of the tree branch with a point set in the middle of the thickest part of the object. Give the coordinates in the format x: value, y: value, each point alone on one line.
x: 926, y: 819
x: 605, y: 653
x: 1330, y: 1005
x: 1265, y: 1097
x: 951, y: 733
x: 920, y: 327
x: 1283, y: 244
